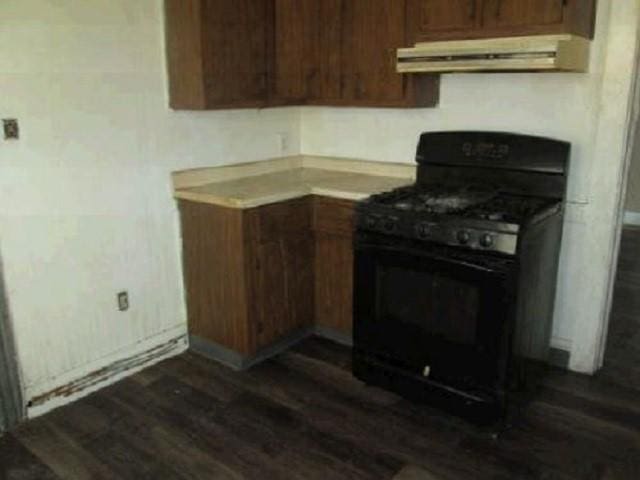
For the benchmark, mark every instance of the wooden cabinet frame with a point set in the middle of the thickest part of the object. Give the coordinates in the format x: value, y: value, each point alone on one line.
x: 260, y: 278
x: 267, y: 53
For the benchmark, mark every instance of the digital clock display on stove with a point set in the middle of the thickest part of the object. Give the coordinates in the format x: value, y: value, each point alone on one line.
x: 486, y: 149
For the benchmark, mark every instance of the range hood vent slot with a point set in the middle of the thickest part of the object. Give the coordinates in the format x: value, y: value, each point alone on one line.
x: 538, y: 53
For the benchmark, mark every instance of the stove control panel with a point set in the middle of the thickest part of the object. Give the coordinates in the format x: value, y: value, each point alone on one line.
x: 446, y: 233
x: 382, y: 223
x: 483, y: 240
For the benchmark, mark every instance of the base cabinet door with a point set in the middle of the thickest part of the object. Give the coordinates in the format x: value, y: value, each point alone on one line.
x: 282, y: 289
x: 333, y: 229
x: 280, y: 249
x: 299, y: 253
x: 334, y: 282
x: 269, y: 294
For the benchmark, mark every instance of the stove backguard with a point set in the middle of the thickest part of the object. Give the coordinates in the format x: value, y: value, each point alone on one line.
x: 518, y: 164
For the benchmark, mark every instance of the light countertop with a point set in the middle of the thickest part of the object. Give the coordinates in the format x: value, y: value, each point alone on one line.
x: 296, y: 180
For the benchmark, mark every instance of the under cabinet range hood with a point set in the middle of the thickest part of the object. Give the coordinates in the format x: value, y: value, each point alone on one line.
x: 568, y: 53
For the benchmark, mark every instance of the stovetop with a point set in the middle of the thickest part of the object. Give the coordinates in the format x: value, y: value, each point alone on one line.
x: 473, y: 216
x: 474, y: 202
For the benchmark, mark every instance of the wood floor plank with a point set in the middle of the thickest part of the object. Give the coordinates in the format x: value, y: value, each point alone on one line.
x: 302, y: 415
x: 413, y: 472
x: 63, y: 455
x: 174, y: 448
x: 190, y: 413
x: 18, y: 463
x: 622, y: 354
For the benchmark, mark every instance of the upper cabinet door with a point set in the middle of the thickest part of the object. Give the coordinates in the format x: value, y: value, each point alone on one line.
x: 523, y: 13
x: 431, y: 17
x: 236, y: 36
x: 295, y: 50
x: 373, y: 30
x: 326, y: 79
x: 307, y: 51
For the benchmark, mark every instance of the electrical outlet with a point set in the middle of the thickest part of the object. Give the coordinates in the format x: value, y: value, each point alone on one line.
x: 11, y: 129
x: 283, y: 142
x: 123, y: 301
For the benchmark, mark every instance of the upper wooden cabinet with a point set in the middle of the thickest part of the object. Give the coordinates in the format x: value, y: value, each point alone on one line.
x: 373, y: 30
x: 217, y: 52
x: 306, y: 59
x: 445, y: 15
x: 294, y: 69
x: 519, y: 13
x: 463, y: 19
x: 257, y: 53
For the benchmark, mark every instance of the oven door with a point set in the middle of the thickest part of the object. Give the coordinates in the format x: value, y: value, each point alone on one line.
x: 440, y: 313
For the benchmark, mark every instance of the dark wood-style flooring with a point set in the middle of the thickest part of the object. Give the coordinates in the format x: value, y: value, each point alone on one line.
x: 622, y: 356
x: 302, y: 415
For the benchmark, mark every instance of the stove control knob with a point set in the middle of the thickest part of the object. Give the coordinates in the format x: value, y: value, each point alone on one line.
x: 423, y: 230
x: 371, y: 221
x: 463, y: 237
x: 486, y: 240
x: 389, y: 224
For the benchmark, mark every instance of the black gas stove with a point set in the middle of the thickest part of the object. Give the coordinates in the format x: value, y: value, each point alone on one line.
x: 455, y: 275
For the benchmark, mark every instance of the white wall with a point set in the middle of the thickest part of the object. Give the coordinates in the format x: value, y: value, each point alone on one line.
x: 85, y: 196
x: 565, y: 106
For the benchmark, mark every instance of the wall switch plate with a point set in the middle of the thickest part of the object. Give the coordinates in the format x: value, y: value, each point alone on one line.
x: 123, y: 301
x: 11, y: 128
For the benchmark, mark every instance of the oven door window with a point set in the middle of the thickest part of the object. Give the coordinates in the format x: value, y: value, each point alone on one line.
x: 445, y: 307
x: 445, y: 319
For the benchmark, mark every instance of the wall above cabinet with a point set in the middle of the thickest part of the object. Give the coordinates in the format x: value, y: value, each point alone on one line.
x: 263, y: 53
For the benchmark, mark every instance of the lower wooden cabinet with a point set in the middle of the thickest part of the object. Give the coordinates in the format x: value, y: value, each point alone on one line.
x: 256, y: 277
x: 281, y: 286
x: 333, y: 227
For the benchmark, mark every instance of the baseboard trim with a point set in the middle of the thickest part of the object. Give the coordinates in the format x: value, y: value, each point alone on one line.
x: 631, y: 218
x: 232, y: 359
x: 110, y: 373
x: 333, y: 334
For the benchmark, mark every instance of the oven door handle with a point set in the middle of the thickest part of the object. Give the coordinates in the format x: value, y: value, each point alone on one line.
x: 422, y: 254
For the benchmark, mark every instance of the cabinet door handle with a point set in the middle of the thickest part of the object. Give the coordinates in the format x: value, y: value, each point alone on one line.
x: 498, y: 9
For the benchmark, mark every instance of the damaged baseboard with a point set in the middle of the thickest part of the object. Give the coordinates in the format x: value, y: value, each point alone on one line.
x: 143, y: 355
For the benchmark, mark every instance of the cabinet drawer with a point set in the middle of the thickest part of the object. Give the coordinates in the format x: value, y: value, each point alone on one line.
x: 271, y: 222
x: 332, y: 215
